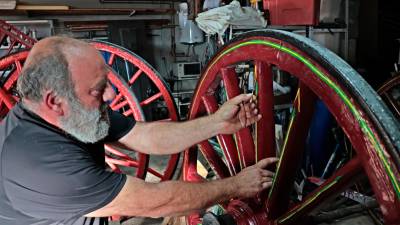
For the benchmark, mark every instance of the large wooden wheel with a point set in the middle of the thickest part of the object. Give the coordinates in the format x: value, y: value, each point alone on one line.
x: 364, y: 121
x: 126, y: 101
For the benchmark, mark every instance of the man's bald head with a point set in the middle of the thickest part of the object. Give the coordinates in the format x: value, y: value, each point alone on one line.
x: 47, y: 67
x: 64, y: 45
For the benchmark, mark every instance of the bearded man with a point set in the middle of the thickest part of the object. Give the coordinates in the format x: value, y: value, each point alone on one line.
x: 52, y: 147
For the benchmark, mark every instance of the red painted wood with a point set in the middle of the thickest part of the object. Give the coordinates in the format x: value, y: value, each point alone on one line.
x: 226, y: 141
x: 135, y: 77
x: 244, y: 140
x: 151, y: 99
x: 265, y: 139
x: 15, y: 36
x: 117, y: 99
x: 111, y: 59
x: 6, y: 99
x: 292, y: 153
x: 213, y: 159
x: 336, y: 184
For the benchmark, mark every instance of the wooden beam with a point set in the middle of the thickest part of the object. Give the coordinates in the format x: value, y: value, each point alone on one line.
x: 97, y: 11
x: 42, y: 7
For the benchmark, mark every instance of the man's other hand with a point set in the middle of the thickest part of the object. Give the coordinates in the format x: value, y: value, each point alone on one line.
x: 253, y: 179
x: 237, y: 113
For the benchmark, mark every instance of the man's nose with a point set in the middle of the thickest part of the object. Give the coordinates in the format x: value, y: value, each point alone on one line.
x: 109, y: 93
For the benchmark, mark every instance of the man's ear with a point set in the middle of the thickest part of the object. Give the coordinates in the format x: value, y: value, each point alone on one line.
x: 54, y: 102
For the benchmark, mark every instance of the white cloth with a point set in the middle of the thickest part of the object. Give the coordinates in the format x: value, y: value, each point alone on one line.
x: 217, y: 20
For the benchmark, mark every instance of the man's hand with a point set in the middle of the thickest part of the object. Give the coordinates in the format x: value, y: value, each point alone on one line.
x: 237, y: 113
x: 253, y: 179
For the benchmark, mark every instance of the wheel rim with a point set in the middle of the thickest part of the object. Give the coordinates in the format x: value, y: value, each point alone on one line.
x: 125, y: 101
x: 354, y: 108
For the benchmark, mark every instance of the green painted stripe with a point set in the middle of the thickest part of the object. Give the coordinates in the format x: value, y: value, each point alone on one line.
x: 255, y: 86
x: 363, y: 124
x: 310, y: 200
x: 238, y: 152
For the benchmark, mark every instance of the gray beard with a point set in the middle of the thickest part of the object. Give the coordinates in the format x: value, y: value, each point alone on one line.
x: 88, y: 126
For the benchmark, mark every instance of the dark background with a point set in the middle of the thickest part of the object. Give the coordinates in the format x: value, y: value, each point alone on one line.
x: 377, y: 48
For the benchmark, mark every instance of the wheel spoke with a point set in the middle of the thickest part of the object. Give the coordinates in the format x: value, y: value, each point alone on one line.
x: 244, y: 138
x: 113, y: 167
x: 392, y: 102
x: 116, y: 100
x: 292, y: 151
x: 119, y: 105
x: 122, y: 162
x: 18, y: 65
x: 135, y: 77
x: 128, y: 112
x: 111, y: 59
x: 338, y: 182
x: 165, y: 120
x: 171, y: 167
x: 265, y: 128
x: 226, y: 141
x: 215, y: 161
x: 190, y: 166
x: 8, y: 101
x: 151, y: 99
x: 113, y: 150
x: 155, y: 173
x: 143, y: 165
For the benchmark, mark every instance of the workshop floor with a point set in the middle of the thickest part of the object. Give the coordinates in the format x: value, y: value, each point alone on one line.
x: 350, y: 220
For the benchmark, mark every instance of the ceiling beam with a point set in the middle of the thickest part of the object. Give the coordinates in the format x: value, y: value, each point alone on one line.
x: 41, y: 7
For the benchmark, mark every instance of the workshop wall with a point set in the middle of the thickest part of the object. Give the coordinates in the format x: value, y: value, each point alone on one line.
x: 162, y: 31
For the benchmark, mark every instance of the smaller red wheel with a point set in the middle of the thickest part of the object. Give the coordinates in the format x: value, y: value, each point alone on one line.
x: 390, y: 92
x: 125, y: 102
x: 138, y: 74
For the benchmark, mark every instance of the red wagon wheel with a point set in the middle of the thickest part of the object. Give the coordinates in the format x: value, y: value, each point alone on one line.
x: 134, y: 70
x: 390, y: 92
x: 125, y: 101
x: 364, y: 120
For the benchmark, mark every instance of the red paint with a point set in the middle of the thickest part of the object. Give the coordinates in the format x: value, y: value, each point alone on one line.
x: 292, y: 12
x: 244, y: 141
x: 226, y: 141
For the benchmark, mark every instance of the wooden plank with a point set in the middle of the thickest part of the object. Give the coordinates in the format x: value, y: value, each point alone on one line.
x: 42, y: 7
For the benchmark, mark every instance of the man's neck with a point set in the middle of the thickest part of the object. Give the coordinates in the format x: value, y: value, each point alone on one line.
x: 39, y: 110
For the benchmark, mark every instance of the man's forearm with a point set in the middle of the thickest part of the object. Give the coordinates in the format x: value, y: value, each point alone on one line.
x: 172, y: 198
x: 171, y: 137
x: 169, y: 198
x: 139, y: 198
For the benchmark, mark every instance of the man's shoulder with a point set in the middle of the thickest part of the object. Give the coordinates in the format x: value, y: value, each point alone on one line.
x: 30, y: 141
x: 28, y: 133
